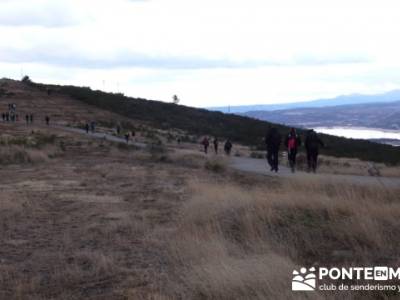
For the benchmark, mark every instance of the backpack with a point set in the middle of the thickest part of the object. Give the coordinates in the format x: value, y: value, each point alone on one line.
x: 292, y: 142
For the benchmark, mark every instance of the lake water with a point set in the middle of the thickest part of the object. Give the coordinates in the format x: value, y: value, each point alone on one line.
x: 360, y: 133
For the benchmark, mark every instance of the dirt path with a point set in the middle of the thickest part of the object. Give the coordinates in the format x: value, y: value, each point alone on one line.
x: 100, y: 135
x: 260, y: 166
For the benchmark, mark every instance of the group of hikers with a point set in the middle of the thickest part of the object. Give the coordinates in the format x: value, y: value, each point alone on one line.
x: 273, y: 141
x: 292, y: 143
x: 90, y: 127
x: 7, y: 117
x: 127, y: 135
x: 12, y: 115
x: 227, y: 146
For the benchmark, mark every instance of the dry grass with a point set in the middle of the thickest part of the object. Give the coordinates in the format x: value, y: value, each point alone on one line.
x: 105, y: 222
x: 237, y: 243
x: 20, y: 155
x: 348, y: 166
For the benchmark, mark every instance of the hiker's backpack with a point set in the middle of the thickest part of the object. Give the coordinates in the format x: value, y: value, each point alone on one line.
x: 292, y: 142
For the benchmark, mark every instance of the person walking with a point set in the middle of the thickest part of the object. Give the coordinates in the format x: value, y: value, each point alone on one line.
x: 47, y: 120
x: 87, y: 127
x: 205, y: 144
x: 228, y: 147
x: 127, y: 137
x: 312, y: 144
x: 216, y: 142
x: 31, y: 118
x: 292, y: 143
x: 27, y: 119
x: 273, y: 141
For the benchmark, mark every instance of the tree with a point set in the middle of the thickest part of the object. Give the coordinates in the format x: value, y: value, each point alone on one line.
x: 26, y: 79
x: 175, y: 99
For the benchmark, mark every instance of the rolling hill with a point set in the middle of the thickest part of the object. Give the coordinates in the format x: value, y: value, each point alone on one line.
x: 198, y: 122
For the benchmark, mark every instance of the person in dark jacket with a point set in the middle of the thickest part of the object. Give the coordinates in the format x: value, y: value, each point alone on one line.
x: 292, y: 143
x: 205, y: 144
x: 273, y: 141
x: 312, y: 144
x: 216, y: 142
x: 228, y: 147
x: 47, y: 120
x: 127, y: 136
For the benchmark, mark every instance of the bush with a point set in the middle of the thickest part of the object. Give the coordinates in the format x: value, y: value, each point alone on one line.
x: 10, y: 155
x: 215, y: 166
x: 127, y: 147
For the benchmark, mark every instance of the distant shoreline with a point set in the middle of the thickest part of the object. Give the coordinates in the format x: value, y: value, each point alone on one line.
x: 385, y: 136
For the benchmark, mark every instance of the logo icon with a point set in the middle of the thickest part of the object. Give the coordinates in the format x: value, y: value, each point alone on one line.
x: 304, y: 280
x: 381, y: 273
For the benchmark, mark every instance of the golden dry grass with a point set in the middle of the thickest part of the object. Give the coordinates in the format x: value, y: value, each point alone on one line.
x: 239, y: 243
x: 109, y: 222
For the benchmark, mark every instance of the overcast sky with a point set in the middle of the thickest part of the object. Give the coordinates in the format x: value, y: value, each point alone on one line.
x: 208, y: 52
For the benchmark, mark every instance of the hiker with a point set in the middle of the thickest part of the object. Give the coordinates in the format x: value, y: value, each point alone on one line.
x: 127, y: 138
x: 47, y: 120
x: 87, y: 128
x: 216, y: 142
x: 205, y: 144
x: 31, y: 118
x: 3, y: 115
x: 118, y: 130
x: 228, y: 147
x: 27, y: 119
x: 292, y: 142
x: 273, y: 141
x: 312, y: 144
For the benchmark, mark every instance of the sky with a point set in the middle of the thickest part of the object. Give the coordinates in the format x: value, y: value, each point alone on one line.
x: 209, y: 52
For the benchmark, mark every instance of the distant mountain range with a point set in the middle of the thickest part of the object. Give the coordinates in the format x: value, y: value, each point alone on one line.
x: 373, y: 115
x: 341, y: 100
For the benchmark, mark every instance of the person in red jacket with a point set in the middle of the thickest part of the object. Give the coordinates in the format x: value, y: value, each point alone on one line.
x: 292, y: 143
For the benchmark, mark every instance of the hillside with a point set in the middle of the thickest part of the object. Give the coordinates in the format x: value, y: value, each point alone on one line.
x: 373, y: 115
x: 340, y: 100
x: 193, y: 121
